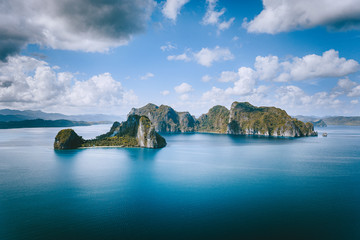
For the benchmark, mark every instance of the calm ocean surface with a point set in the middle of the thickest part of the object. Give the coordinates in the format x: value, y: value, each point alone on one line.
x: 201, y: 186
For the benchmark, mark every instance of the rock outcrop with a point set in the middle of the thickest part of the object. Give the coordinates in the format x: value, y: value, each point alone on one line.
x: 215, y: 121
x: 67, y: 139
x: 165, y: 118
x: 246, y: 119
x: 242, y: 119
x: 137, y: 131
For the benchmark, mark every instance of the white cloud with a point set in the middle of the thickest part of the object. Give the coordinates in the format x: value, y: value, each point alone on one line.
x: 226, y: 24
x: 207, y: 56
x: 212, y: 16
x: 165, y: 92
x: 314, y: 66
x: 287, y: 15
x: 183, y: 88
x: 355, y: 92
x: 294, y: 97
x: 311, y: 66
x: 354, y: 101
x: 181, y: 57
x: 29, y: 83
x: 215, y: 96
x: 245, y: 83
x: 168, y: 47
x: 184, y: 97
x: 346, y: 83
x: 147, y: 76
x: 267, y: 67
x: 206, y: 78
x: 172, y: 8
x: 90, y: 26
x: 228, y: 76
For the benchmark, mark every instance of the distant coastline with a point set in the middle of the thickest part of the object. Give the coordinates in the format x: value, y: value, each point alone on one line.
x: 41, y: 123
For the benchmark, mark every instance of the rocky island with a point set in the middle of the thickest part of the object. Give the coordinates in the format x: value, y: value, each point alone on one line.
x: 242, y: 119
x: 137, y: 131
x: 143, y: 124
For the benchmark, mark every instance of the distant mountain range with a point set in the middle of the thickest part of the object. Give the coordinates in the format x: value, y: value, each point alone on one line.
x: 331, y: 120
x: 7, y: 115
x: 34, y: 123
x: 29, y: 119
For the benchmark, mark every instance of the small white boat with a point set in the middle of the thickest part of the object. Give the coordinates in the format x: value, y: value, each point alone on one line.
x: 324, y: 134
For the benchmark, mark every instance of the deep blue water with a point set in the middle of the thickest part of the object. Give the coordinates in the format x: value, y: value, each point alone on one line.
x: 201, y: 186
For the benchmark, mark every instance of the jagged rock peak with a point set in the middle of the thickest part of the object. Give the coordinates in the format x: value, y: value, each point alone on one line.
x: 136, y: 131
x: 166, y: 119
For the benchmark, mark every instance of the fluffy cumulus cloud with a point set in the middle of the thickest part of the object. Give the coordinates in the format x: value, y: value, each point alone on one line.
x: 286, y: 15
x: 294, y: 97
x: 266, y: 67
x: 183, y: 88
x: 348, y: 87
x: 244, y: 81
x: 213, y: 16
x: 172, y: 8
x: 315, y: 66
x: 29, y: 83
x: 228, y: 76
x: 205, y: 57
x: 245, y: 84
x: 311, y: 66
x: 83, y: 25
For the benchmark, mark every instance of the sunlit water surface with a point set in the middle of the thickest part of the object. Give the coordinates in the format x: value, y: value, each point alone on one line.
x: 201, y: 186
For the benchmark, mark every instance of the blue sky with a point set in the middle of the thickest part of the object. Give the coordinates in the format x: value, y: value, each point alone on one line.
x: 109, y: 56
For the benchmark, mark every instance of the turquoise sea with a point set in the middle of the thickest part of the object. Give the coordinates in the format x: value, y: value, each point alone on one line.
x: 201, y: 186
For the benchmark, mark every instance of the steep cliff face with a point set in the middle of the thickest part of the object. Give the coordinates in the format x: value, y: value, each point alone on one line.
x: 165, y: 118
x: 216, y: 120
x: 67, y: 139
x: 135, y: 132
x: 243, y: 119
x: 247, y: 119
x: 147, y: 136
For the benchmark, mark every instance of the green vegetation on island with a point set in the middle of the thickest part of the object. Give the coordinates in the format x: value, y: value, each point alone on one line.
x: 242, y: 119
x: 166, y: 119
x: 137, y: 131
x: 140, y: 129
x: 67, y: 139
x: 215, y: 121
x: 247, y: 119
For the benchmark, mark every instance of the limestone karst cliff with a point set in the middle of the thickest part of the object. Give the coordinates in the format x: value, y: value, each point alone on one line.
x: 247, y: 119
x: 242, y: 119
x: 136, y: 131
x: 166, y: 119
